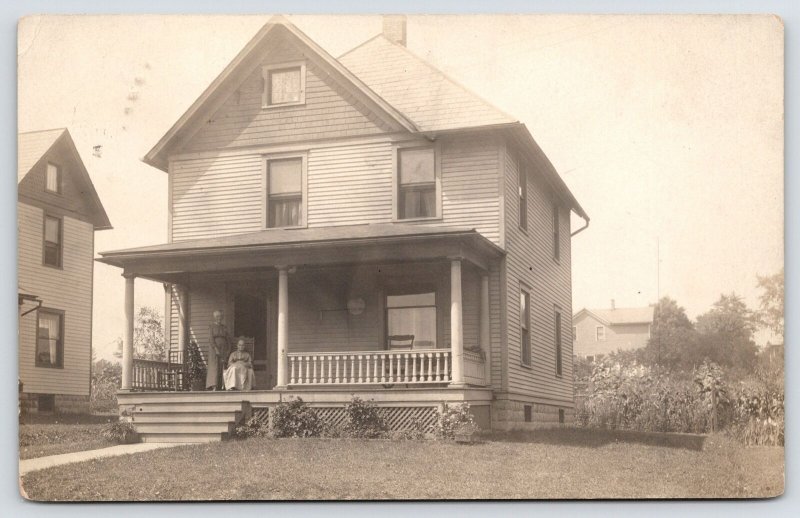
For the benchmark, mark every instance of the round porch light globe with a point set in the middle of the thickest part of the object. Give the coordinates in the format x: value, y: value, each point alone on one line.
x: 356, y: 306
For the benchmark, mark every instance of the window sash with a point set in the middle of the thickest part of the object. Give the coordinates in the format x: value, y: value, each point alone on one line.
x: 52, y: 241
x: 413, y: 314
x: 285, y: 211
x: 285, y: 85
x: 600, y: 333
x: 285, y: 176
x: 417, y: 201
x: 53, y: 178
x: 417, y: 166
x: 49, y: 343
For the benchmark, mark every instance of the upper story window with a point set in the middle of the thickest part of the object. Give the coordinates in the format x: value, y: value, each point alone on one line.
x: 525, y: 326
x: 53, y: 237
x: 52, y: 181
x: 599, y: 334
x: 559, y: 361
x: 49, y: 339
x: 417, y: 185
x: 285, y: 186
x: 284, y: 84
x: 556, y: 234
x: 523, y: 197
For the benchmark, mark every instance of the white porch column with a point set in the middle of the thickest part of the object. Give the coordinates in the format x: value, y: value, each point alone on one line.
x: 456, y: 327
x: 484, y: 325
x: 127, y: 344
x: 283, y: 327
x: 183, y: 293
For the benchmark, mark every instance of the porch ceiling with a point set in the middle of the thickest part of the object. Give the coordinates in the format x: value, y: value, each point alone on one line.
x: 352, y: 244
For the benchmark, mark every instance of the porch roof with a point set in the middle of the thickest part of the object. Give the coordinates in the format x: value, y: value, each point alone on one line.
x: 306, y: 246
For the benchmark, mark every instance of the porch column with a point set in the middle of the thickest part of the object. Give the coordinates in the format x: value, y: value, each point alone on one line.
x: 283, y: 327
x: 484, y: 325
x: 182, y: 293
x: 456, y: 328
x: 127, y: 344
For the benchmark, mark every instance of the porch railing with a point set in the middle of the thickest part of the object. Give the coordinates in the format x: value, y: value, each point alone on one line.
x: 377, y: 367
x: 159, y: 375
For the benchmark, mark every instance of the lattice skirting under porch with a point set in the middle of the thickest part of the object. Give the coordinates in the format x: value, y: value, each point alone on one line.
x: 398, y: 419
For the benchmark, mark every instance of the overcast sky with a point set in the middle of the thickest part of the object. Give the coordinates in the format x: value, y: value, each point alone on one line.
x: 668, y: 130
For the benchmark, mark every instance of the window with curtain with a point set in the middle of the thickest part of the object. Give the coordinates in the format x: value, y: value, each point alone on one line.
x: 413, y: 314
x: 52, y: 241
x: 559, y: 363
x: 525, y: 326
x: 285, y: 86
x: 52, y: 178
x: 49, y: 342
x: 285, y: 192
x: 417, y: 183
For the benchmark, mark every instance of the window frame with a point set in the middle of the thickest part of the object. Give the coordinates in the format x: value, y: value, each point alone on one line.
x: 526, y: 360
x: 411, y: 289
x: 556, y: 240
x: 60, y: 345
x: 437, y: 175
x: 59, y: 175
x: 597, y: 337
x: 265, y: 198
x: 266, y: 74
x: 522, y: 196
x: 558, y: 338
x: 60, y: 265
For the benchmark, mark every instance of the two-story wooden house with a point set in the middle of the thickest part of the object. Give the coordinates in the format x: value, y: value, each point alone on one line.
x: 58, y: 212
x: 599, y: 332
x: 375, y: 228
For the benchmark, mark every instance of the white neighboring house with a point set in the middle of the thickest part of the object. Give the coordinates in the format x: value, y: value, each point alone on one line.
x: 58, y: 211
x: 598, y: 332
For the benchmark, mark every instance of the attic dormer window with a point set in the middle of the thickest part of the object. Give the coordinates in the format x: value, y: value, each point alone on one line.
x: 52, y: 179
x: 284, y: 85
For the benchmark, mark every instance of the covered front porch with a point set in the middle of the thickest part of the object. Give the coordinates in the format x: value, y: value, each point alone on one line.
x: 361, y: 308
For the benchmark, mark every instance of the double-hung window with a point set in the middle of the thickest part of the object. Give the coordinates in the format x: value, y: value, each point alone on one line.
x: 284, y: 85
x: 50, y: 339
x: 285, y: 192
x: 52, y: 179
x: 53, y: 236
x: 525, y: 326
x: 599, y: 334
x: 412, y: 314
x: 416, y: 183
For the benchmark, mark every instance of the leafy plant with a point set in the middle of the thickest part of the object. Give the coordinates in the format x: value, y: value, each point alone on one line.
x: 294, y: 418
x: 196, y: 371
x: 253, y: 427
x: 452, y: 418
x: 120, y: 432
x: 364, y: 420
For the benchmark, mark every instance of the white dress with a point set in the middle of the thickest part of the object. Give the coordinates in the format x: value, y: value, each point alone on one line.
x: 239, y: 374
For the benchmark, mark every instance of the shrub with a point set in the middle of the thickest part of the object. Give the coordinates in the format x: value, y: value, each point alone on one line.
x: 253, y: 427
x: 294, y: 418
x: 121, y: 432
x: 196, y: 371
x: 363, y: 420
x: 452, y: 418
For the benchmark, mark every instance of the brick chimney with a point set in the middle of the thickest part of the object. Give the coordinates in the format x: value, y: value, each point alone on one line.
x: 394, y: 28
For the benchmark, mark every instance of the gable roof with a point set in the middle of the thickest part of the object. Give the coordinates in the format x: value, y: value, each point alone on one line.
x: 395, y: 73
x: 619, y: 316
x: 34, y: 145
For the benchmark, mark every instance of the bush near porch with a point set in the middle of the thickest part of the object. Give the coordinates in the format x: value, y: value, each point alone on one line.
x: 563, y: 463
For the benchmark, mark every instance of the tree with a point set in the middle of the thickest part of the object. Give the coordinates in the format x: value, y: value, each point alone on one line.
x: 726, y: 333
x: 672, y: 336
x: 106, y: 380
x: 771, y: 313
x: 148, y: 336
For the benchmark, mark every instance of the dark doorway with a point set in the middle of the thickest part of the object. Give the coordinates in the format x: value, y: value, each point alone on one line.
x: 250, y: 319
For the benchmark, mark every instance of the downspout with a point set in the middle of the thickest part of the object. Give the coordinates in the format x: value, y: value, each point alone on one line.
x: 582, y: 228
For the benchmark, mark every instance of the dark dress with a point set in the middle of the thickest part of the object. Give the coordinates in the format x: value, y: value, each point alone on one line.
x: 219, y: 341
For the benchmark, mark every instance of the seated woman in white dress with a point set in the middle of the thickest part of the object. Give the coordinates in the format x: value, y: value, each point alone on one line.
x: 239, y: 374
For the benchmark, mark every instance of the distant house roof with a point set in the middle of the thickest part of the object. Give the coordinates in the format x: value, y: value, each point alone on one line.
x: 34, y: 145
x: 619, y: 316
x: 433, y: 101
x: 390, y: 80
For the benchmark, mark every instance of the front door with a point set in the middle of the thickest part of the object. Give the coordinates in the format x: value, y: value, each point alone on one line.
x: 250, y: 318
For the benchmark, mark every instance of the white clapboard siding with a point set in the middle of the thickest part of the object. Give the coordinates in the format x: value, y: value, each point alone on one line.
x: 68, y: 289
x: 530, y: 260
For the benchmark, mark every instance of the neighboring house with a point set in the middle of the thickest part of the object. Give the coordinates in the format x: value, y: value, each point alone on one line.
x: 373, y: 227
x: 58, y: 212
x: 598, y: 332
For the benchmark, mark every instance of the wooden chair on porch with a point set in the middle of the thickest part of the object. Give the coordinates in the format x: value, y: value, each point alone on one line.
x: 401, y: 342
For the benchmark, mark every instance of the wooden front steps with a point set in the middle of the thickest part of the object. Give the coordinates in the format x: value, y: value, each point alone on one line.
x: 186, y: 420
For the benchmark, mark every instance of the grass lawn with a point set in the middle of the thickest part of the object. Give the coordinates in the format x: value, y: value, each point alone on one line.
x: 43, y: 435
x: 545, y: 464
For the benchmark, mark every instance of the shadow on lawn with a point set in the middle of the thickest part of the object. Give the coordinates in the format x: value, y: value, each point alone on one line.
x: 595, y: 438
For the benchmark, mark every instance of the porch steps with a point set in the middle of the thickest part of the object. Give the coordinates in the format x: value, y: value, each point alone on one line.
x: 187, y: 420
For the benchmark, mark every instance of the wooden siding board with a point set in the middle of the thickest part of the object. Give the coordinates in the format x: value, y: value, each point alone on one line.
x: 68, y: 289
x: 530, y: 260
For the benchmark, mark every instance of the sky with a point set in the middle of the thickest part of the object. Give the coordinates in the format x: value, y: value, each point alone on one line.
x: 668, y: 130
